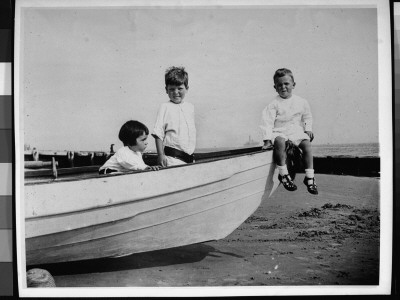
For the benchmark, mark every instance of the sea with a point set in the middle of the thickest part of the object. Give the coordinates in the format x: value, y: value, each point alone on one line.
x: 355, y: 150
x: 323, y: 150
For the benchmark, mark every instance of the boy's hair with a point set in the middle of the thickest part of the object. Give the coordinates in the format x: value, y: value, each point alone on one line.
x: 282, y: 72
x: 176, y: 76
x: 130, y: 131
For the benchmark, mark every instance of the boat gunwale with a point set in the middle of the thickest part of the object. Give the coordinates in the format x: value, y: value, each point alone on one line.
x: 212, y: 158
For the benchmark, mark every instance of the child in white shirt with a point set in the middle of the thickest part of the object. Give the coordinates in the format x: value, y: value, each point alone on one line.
x: 174, y: 130
x: 133, y: 135
x: 288, y: 117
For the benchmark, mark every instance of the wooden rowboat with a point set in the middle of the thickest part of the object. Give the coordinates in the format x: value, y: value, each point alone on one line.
x: 87, y: 216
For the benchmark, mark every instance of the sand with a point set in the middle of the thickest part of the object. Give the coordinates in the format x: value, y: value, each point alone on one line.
x: 294, y: 238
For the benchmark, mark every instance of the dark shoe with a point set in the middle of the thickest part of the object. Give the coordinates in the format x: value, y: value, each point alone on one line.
x: 311, y: 187
x: 287, y: 182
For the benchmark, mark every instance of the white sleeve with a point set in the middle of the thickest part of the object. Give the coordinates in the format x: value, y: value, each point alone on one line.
x: 307, y: 117
x: 159, y: 126
x: 267, y: 121
x: 130, y: 161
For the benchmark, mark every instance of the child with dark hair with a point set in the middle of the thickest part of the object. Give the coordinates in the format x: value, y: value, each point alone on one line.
x: 174, y: 130
x: 288, y: 118
x: 133, y: 135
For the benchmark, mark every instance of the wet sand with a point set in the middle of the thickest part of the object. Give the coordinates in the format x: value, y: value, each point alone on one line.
x: 294, y: 238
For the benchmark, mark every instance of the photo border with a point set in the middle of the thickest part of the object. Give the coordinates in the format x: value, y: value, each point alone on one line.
x: 385, y: 140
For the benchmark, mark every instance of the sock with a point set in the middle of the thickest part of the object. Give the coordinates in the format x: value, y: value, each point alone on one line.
x: 283, y: 170
x: 309, y: 173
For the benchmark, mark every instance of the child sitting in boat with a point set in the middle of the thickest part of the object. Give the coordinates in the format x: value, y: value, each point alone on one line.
x: 288, y: 117
x: 133, y: 135
x: 174, y: 130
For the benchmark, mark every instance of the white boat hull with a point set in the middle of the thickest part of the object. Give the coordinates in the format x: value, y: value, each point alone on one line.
x: 132, y: 213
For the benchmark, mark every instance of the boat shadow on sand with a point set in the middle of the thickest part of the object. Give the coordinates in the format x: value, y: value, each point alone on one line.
x: 173, y: 256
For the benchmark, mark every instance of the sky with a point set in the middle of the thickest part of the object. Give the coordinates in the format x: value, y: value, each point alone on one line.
x: 86, y: 71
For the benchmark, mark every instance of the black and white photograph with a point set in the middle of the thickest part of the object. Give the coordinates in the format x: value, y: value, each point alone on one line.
x: 203, y: 148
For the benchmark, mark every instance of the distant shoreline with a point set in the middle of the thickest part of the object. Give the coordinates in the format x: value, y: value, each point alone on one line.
x: 202, y: 149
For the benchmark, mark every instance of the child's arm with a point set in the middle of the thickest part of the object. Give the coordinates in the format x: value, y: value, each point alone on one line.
x: 267, y: 124
x: 308, y: 120
x: 129, y: 161
x: 161, y: 159
x: 159, y: 134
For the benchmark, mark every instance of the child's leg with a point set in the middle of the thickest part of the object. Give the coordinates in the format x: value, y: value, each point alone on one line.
x: 309, y: 180
x: 280, y: 160
x: 305, y: 146
x: 279, y: 151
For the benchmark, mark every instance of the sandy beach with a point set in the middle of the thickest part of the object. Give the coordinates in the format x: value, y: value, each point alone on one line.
x: 294, y: 238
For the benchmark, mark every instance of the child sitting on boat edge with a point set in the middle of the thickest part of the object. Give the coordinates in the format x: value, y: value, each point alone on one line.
x: 174, y: 131
x: 288, y: 117
x: 133, y: 135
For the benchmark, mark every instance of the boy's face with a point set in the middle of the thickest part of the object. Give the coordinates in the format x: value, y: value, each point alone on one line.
x: 284, y: 86
x: 176, y: 93
x: 141, y: 143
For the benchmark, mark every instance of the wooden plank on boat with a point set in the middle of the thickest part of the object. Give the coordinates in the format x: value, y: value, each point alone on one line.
x: 77, y: 170
x: 38, y: 164
x: 62, y: 171
x: 226, y: 153
x: 47, y: 152
x: 64, y: 153
x: 38, y: 172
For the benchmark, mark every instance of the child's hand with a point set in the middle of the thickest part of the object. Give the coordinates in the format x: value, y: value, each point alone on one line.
x: 153, y: 168
x: 162, y: 160
x: 267, y: 145
x: 310, y: 134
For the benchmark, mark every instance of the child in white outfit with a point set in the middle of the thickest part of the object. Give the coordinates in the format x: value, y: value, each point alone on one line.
x: 174, y: 130
x: 128, y: 158
x: 288, y: 117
